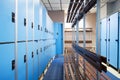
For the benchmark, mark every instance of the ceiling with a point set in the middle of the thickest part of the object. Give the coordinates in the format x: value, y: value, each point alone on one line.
x: 53, y: 5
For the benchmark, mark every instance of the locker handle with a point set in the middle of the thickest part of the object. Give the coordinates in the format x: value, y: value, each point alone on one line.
x: 32, y: 25
x: 24, y: 21
x: 108, y: 39
x: 24, y: 58
x: 105, y: 39
x: 116, y: 40
x: 32, y: 54
x: 40, y: 49
x: 37, y: 52
x: 13, y: 64
x: 13, y: 17
x: 38, y: 27
x: 41, y: 28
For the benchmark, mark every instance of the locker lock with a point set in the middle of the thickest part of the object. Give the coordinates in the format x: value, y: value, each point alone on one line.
x: 13, y: 17
x: 25, y: 58
x: 13, y: 64
x: 32, y: 54
x: 24, y: 21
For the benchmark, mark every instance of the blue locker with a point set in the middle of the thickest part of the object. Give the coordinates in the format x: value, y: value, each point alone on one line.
x: 7, y: 72
x: 7, y: 16
x: 30, y: 61
x: 22, y: 61
x: 114, y: 39
x: 104, y: 38
x: 44, y: 12
x: 41, y: 59
x: 40, y: 21
x: 59, y: 37
x: 119, y: 43
x: 36, y: 64
x: 30, y: 20
x: 21, y: 20
x: 36, y: 19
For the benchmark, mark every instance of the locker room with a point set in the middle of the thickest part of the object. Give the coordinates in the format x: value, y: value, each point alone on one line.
x: 60, y: 40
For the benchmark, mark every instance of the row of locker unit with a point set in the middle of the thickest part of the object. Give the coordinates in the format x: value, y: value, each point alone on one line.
x: 110, y: 39
x: 27, y: 39
x: 30, y: 65
x: 27, y: 17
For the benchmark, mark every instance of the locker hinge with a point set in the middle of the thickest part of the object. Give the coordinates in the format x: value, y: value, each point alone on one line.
x: 24, y: 21
x: 37, y: 52
x: 38, y: 27
x: 13, y: 17
x: 13, y: 64
x: 32, y: 54
x: 32, y: 25
x: 24, y: 58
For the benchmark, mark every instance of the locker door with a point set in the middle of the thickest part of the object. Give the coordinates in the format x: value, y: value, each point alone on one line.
x: 108, y: 40
x: 44, y: 17
x: 114, y: 39
x: 7, y: 18
x: 7, y: 70
x: 36, y: 19
x: 30, y: 61
x: 21, y: 61
x: 41, y: 59
x: 119, y: 41
x: 103, y: 38
x: 21, y: 20
x: 40, y: 21
x: 30, y: 19
x: 36, y: 66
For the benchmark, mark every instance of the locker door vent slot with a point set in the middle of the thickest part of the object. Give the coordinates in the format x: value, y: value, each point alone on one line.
x: 24, y: 58
x: 13, y: 17
x: 13, y: 64
x: 24, y: 21
x: 32, y: 54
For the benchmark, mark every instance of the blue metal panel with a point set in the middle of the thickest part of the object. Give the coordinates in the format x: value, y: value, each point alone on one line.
x: 108, y: 40
x: 36, y: 19
x: 21, y: 20
x: 119, y: 43
x: 36, y: 66
x: 7, y: 27
x: 114, y: 39
x: 44, y: 12
x: 30, y: 61
x: 21, y: 63
x: 59, y: 37
x: 30, y: 20
x: 7, y: 55
x: 103, y: 38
